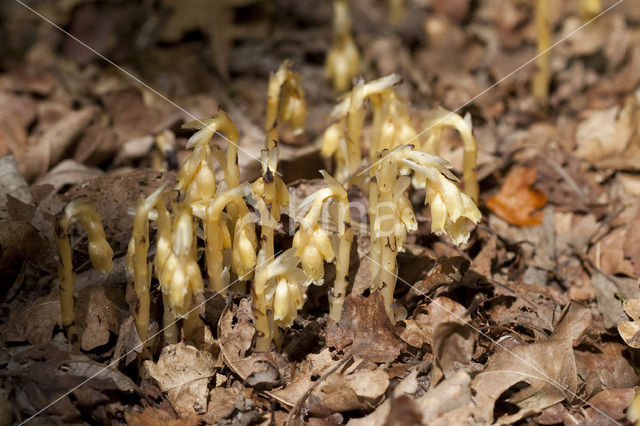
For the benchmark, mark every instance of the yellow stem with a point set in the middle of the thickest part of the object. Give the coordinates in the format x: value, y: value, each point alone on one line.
x: 542, y: 77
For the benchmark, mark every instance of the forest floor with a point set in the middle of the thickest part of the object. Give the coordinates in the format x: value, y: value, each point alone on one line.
x: 534, y: 320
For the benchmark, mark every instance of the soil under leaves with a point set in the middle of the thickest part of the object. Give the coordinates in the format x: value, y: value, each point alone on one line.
x: 535, y: 320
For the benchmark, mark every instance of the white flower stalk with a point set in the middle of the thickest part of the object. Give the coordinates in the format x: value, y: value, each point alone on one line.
x: 100, y: 253
x: 391, y: 122
x: 217, y: 235
x: 312, y: 241
x: 343, y: 60
x: 391, y: 217
x: 137, y: 259
x: 164, y: 251
x: 278, y: 293
x: 240, y: 230
x: 163, y: 153
x: 451, y: 209
x: 178, y: 271
x: 196, y: 177
x: 542, y: 77
x: 397, y: 11
x: 442, y: 119
x: 313, y: 244
x: 271, y: 194
x: 349, y: 117
x: 285, y: 102
x: 334, y: 143
x: 391, y: 214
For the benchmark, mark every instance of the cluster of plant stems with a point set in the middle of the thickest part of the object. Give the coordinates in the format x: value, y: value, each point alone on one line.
x: 223, y: 215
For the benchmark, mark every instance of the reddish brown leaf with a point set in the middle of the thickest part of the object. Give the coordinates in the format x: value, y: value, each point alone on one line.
x: 517, y: 200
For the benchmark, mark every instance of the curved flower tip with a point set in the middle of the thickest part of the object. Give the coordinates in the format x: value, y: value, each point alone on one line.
x: 451, y: 215
x: 289, y: 297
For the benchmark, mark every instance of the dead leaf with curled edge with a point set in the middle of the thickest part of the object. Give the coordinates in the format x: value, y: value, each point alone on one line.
x: 420, y: 329
x: 43, y: 375
x: 365, y: 329
x: 609, y: 138
x: 99, y: 312
x: 450, y: 402
x: 152, y: 416
x: 630, y: 330
x: 517, y: 200
x: 548, y: 367
x: 50, y: 147
x: 183, y: 373
x: 384, y: 413
x: 452, y: 345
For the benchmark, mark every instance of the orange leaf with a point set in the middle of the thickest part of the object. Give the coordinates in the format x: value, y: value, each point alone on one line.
x: 517, y: 200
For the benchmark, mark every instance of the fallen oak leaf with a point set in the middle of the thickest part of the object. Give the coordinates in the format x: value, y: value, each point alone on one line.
x: 549, y: 367
x: 613, y: 402
x: 517, y: 200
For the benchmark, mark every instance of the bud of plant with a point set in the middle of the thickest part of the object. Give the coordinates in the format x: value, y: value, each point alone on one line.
x: 278, y: 293
x: 100, y: 253
x: 451, y: 210
x: 441, y: 119
x: 313, y: 248
x: 343, y: 60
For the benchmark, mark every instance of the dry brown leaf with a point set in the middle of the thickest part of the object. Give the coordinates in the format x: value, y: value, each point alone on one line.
x: 183, y: 373
x: 20, y: 242
x: 368, y: 384
x: 384, y: 412
x: 610, y: 138
x: 221, y: 401
x: 609, y: 253
x: 99, y: 311
x: 35, y: 322
x: 420, y: 329
x: 365, y: 330
x: 50, y: 147
x: 18, y: 111
x: 449, y: 402
x: 152, y: 416
x: 11, y: 183
x: 631, y: 246
x: 609, y: 365
x: 609, y: 290
x: 68, y: 173
x: 517, y: 200
x: 526, y: 305
x: 236, y: 341
x: 548, y: 367
x: 630, y: 330
x: 44, y: 372
x: 611, y: 402
x: 128, y: 345
x: 452, y: 345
